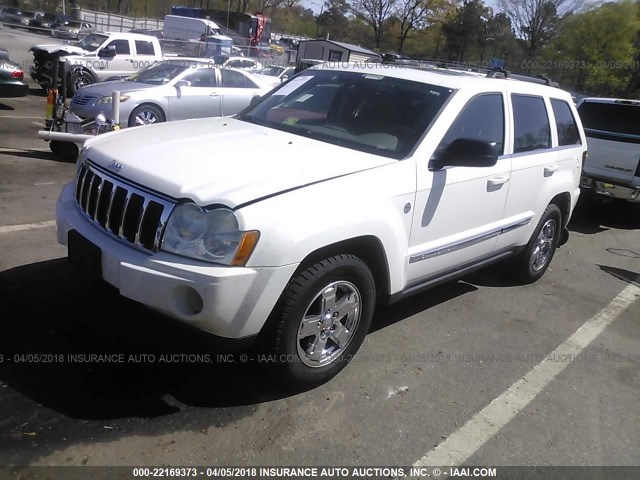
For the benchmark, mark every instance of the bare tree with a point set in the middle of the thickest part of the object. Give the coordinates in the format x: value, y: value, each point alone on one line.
x: 536, y: 22
x: 415, y: 15
x: 375, y: 13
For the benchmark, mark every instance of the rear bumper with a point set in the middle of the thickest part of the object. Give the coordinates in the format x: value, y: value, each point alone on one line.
x: 13, y: 90
x: 608, y: 189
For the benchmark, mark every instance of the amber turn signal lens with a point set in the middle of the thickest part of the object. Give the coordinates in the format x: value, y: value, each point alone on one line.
x: 247, y: 244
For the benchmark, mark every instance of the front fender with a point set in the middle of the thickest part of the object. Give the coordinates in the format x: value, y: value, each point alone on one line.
x: 372, y: 203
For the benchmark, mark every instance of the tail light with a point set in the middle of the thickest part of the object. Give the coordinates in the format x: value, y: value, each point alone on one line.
x: 19, y: 74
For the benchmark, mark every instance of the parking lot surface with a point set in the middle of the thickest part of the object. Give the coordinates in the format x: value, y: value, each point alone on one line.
x: 481, y: 371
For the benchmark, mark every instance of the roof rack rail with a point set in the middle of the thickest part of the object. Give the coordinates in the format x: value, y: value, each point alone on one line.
x: 498, y: 72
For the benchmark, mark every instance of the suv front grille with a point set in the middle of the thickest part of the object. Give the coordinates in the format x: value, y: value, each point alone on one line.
x: 129, y: 213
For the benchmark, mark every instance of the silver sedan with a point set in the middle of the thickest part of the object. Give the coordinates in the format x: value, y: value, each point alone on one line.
x: 171, y: 90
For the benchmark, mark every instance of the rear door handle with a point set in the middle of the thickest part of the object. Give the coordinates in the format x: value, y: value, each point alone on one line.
x: 549, y: 169
x: 495, y: 181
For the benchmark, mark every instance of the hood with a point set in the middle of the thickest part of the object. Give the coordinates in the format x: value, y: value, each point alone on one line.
x: 71, y: 49
x: 223, y: 160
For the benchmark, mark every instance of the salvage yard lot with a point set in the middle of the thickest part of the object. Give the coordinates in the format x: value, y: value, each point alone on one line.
x: 157, y: 393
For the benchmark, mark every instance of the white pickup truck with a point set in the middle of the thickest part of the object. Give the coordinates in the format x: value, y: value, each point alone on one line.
x: 96, y: 58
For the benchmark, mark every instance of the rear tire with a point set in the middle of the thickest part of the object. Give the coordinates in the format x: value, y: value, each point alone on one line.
x: 533, y: 261
x: 324, y: 315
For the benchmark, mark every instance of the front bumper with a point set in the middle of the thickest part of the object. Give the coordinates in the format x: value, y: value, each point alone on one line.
x: 630, y: 194
x: 229, y: 302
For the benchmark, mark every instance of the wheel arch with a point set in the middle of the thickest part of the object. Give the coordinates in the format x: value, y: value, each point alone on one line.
x: 563, y: 202
x: 368, y: 248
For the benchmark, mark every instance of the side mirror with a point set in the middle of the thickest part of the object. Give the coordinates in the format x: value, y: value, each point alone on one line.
x: 466, y: 152
x: 183, y: 83
x: 107, y: 52
x: 284, y: 78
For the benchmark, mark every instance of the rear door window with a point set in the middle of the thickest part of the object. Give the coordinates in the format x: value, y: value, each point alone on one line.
x: 565, y: 123
x: 531, y: 123
x: 611, y: 117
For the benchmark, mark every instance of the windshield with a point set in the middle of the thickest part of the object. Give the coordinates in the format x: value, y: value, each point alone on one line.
x: 272, y: 71
x: 92, y: 42
x: 73, y: 24
x: 159, y: 74
x: 366, y: 112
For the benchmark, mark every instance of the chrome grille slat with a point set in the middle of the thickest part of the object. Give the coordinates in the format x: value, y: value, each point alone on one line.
x: 130, y: 214
x: 95, y: 210
x: 124, y: 214
x: 85, y: 200
x: 145, y: 205
x: 107, y: 224
x: 83, y: 172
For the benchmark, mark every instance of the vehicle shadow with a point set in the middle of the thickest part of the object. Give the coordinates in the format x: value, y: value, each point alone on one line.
x: 93, y: 366
x: 37, y: 92
x: 593, y: 215
x: 39, y: 155
x: 4, y: 106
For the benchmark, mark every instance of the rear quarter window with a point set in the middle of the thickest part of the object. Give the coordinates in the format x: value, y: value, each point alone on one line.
x: 565, y: 123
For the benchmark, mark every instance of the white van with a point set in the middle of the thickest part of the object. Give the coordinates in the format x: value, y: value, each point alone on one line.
x: 188, y: 28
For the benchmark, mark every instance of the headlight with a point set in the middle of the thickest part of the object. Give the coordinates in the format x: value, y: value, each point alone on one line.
x: 213, y: 236
x: 108, y: 99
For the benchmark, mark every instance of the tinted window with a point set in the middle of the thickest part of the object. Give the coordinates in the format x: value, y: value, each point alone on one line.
x: 565, y: 123
x: 205, y: 77
x: 611, y: 117
x: 122, y: 47
x: 481, y: 119
x: 531, y: 124
x: 144, y: 47
x: 366, y: 112
x: 233, y: 79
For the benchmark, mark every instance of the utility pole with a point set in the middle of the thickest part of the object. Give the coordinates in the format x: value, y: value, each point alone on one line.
x: 319, y: 16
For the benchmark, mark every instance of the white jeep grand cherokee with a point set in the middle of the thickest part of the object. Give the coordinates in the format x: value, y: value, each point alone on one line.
x: 342, y: 188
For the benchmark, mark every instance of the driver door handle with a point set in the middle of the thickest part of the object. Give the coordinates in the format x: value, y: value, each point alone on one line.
x: 495, y: 181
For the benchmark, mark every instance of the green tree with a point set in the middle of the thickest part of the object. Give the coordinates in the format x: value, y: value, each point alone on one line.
x: 597, y: 50
x: 376, y: 14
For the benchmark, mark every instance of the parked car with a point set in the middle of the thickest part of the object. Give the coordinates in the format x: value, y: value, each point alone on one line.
x: 11, y: 78
x: 10, y: 15
x: 612, y: 126
x: 243, y: 63
x: 275, y: 74
x: 385, y: 182
x: 73, y: 30
x: 171, y: 90
x: 49, y: 21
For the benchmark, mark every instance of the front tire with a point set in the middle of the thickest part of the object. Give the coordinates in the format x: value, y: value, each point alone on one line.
x: 77, y: 81
x: 146, y: 115
x: 533, y: 262
x: 325, y: 314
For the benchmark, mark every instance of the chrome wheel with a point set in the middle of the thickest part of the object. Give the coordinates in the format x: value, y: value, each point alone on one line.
x: 544, y: 245
x: 146, y: 117
x: 329, y: 323
x: 81, y: 81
